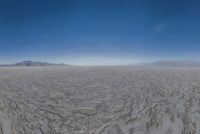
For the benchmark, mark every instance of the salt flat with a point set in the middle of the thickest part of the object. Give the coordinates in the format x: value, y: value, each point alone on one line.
x: 99, y: 100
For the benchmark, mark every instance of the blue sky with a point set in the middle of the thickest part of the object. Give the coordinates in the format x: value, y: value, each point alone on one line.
x: 99, y: 31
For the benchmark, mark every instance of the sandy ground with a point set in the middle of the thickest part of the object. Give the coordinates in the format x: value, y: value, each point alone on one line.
x: 99, y: 100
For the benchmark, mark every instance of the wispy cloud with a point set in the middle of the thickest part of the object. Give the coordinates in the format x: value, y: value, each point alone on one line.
x: 42, y: 45
x: 159, y: 27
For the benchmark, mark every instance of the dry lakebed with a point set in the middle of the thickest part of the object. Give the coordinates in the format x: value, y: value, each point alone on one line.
x: 99, y: 100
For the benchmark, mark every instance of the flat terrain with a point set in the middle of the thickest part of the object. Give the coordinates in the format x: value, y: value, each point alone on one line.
x: 99, y: 100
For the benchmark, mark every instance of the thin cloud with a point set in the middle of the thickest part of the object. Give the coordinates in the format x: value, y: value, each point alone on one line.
x: 159, y: 27
x: 42, y: 45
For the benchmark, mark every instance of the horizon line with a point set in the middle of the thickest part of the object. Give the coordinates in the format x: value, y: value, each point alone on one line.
x: 96, y: 64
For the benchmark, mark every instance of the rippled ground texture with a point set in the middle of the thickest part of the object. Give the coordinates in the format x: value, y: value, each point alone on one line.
x: 99, y: 100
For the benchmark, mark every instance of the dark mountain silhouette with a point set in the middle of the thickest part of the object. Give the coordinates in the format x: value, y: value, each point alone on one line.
x: 34, y: 63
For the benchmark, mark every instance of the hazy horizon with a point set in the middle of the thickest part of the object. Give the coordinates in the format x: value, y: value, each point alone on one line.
x: 110, y: 62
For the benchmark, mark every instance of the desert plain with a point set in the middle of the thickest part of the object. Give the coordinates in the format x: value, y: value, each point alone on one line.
x: 99, y: 100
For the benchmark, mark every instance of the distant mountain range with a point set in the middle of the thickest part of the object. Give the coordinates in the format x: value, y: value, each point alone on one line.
x: 33, y: 63
x: 174, y: 63
x: 162, y: 63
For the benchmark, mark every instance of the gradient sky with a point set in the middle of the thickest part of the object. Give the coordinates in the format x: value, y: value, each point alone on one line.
x: 99, y: 31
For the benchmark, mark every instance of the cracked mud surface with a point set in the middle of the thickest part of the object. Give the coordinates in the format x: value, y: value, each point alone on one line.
x: 99, y: 100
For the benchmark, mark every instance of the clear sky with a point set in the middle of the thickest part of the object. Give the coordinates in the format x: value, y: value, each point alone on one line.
x: 99, y: 31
